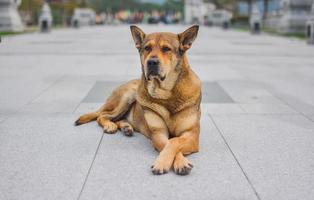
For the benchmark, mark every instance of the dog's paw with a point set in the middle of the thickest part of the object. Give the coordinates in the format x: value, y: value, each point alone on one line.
x: 125, y: 127
x: 110, y: 127
x: 182, y: 166
x: 127, y: 130
x: 77, y: 122
x: 161, y: 166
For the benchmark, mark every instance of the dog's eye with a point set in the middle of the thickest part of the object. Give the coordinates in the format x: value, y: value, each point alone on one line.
x: 148, y: 48
x: 165, y: 49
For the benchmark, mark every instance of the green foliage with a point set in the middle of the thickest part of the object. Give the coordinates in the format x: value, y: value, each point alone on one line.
x: 31, y: 5
x: 28, y: 30
x: 173, y: 5
x: 222, y: 3
x: 134, y: 5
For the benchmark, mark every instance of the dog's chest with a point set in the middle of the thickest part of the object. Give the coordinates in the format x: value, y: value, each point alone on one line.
x: 175, y: 124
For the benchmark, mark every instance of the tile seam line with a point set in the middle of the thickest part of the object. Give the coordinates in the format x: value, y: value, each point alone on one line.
x: 90, y: 168
x: 43, y: 91
x: 287, y: 104
x: 33, y: 99
x: 237, y: 161
x: 293, y: 108
x: 77, y: 106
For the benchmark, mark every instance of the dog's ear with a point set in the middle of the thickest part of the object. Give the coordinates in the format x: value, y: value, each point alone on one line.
x: 187, y: 37
x: 138, y: 36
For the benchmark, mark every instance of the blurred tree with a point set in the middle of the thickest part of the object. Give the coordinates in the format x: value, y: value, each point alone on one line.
x: 30, y: 5
x: 83, y: 4
x: 31, y: 8
x: 173, y: 5
x: 61, y: 10
x: 114, y: 6
x: 266, y: 3
x: 222, y: 3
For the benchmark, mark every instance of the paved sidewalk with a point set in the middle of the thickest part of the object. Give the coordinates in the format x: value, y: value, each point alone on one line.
x: 257, y: 136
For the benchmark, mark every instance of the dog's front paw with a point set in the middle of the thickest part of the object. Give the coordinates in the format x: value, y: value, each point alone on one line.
x: 182, y: 165
x: 161, y: 165
x: 110, y: 127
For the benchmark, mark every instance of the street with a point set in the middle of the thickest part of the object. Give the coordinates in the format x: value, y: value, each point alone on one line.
x: 257, y: 126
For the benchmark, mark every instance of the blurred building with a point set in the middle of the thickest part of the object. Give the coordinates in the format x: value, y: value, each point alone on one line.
x: 83, y: 17
x: 10, y: 20
x: 196, y: 11
x: 285, y: 16
x: 289, y: 16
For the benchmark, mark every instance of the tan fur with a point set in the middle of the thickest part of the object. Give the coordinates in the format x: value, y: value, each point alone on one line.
x: 164, y: 108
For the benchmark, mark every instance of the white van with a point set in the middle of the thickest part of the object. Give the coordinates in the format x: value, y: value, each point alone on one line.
x: 219, y: 18
x: 83, y: 17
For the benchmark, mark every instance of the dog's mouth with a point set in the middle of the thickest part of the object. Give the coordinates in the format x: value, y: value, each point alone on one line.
x: 157, y: 77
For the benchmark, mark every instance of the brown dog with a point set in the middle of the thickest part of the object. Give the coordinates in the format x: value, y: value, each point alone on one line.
x: 164, y: 105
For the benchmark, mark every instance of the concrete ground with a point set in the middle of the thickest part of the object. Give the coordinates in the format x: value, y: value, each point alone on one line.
x: 257, y: 136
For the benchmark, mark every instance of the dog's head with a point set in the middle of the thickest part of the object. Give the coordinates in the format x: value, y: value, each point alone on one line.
x: 161, y: 53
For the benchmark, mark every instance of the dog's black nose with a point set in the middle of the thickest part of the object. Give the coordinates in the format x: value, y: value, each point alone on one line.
x: 152, y: 62
x: 153, y: 66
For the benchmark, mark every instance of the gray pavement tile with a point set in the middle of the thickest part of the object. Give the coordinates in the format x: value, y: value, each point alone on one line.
x: 311, y: 117
x: 297, y: 103
x: 248, y: 92
x: 2, y: 118
x: 276, y: 152
x: 106, y: 65
x: 19, y: 90
x: 208, y: 71
x: 23, y: 78
x: 100, y: 91
x: 290, y: 82
x: 122, y: 170
x: 87, y: 107
x: 267, y: 109
x: 213, y: 93
x: 63, y: 96
x: 221, y: 108
x: 45, y: 157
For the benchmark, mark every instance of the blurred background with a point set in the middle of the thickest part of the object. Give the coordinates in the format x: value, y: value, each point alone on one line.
x: 257, y: 127
x: 288, y: 17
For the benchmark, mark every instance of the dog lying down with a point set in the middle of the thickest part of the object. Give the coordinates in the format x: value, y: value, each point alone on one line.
x: 163, y: 105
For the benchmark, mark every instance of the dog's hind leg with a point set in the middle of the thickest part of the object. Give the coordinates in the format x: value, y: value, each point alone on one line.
x: 87, y: 118
x: 115, y: 108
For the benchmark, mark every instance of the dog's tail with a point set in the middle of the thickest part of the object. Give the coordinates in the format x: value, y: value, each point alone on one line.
x: 87, y: 118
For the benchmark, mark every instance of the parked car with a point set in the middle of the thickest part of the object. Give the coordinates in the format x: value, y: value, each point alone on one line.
x: 83, y: 17
x: 220, y: 18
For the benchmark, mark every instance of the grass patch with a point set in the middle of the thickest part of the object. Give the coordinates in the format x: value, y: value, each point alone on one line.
x: 9, y: 33
x: 242, y: 28
x: 30, y: 29
x: 27, y: 30
x: 300, y: 36
x: 290, y: 35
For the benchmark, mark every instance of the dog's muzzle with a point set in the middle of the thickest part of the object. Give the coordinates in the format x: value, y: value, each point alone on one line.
x: 153, y: 67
